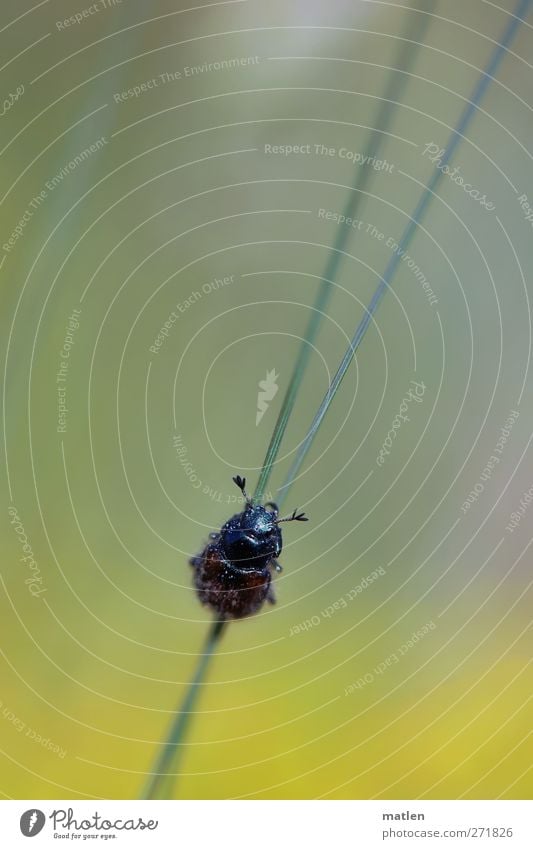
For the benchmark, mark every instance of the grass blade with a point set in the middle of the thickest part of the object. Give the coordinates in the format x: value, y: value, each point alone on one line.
x: 164, y: 775
x: 162, y: 780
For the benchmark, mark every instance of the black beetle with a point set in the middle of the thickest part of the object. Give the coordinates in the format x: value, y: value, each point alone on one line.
x: 233, y: 572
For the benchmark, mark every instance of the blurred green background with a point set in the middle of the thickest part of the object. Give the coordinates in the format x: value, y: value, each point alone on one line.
x: 181, y: 192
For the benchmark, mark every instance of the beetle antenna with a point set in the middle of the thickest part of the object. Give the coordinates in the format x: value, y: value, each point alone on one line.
x: 294, y: 517
x: 241, y: 483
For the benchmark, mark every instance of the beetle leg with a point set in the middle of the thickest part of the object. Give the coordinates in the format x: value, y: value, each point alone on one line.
x: 270, y: 595
x: 274, y: 510
x: 277, y: 566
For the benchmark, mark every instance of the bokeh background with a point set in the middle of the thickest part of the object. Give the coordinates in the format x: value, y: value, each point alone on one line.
x: 314, y: 697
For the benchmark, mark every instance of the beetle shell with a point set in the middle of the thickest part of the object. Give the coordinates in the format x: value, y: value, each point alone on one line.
x: 233, y: 574
x: 232, y: 591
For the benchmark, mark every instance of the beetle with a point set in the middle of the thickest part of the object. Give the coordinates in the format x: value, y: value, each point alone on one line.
x: 233, y: 573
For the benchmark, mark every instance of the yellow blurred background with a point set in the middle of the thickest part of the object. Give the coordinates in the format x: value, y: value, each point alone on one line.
x: 137, y: 165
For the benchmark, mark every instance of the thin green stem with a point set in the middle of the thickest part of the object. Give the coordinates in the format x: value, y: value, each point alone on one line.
x: 162, y: 779
x: 410, y: 42
x: 428, y: 194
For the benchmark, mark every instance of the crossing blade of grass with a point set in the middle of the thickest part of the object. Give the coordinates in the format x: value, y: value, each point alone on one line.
x: 162, y: 780
x: 166, y: 769
x: 410, y: 42
x: 421, y: 208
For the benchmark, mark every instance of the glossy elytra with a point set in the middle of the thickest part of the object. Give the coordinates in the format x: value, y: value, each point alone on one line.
x: 233, y: 574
